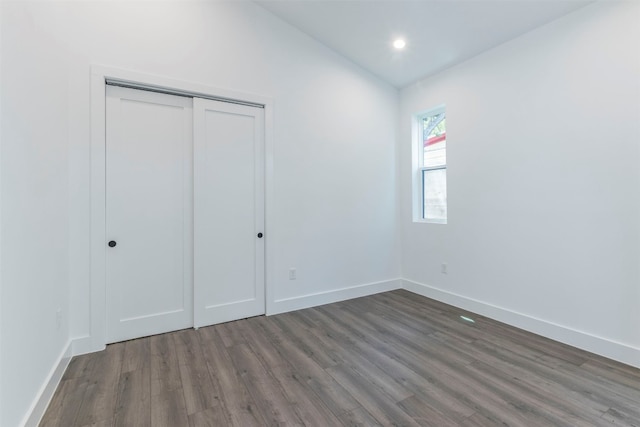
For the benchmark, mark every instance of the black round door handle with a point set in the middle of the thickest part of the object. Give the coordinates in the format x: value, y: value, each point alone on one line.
x: 260, y: 235
x: 112, y: 243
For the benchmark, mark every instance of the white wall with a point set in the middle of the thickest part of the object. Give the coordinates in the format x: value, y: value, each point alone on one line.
x: 35, y: 209
x: 334, y: 156
x: 543, y: 182
x: 1, y: 377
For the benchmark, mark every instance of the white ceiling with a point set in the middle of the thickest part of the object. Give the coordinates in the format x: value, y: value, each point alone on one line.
x: 439, y: 33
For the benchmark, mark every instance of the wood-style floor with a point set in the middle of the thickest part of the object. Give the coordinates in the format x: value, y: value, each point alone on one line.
x: 389, y: 359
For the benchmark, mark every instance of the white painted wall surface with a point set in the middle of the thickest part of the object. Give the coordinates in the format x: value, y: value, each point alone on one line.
x: 35, y: 209
x: 1, y: 377
x: 543, y: 182
x: 334, y: 156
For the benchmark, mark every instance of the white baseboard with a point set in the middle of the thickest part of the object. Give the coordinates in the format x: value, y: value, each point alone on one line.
x: 611, y: 349
x: 327, y: 297
x: 40, y: 403
x: 84, y: 345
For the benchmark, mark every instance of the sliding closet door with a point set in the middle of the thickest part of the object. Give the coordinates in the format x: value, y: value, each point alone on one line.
x: 149, y: 211
x: 228, y: 212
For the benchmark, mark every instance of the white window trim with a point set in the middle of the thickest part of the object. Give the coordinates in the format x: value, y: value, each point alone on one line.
x: 417, y: 165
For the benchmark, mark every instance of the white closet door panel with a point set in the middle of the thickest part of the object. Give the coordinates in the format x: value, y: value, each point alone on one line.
x: 229, y: 211
x: 149, y: 213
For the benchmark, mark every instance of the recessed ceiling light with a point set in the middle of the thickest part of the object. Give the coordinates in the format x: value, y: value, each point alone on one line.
x: 399, y: 44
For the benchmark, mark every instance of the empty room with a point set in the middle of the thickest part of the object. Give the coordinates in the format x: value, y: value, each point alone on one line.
x: 319, y: 212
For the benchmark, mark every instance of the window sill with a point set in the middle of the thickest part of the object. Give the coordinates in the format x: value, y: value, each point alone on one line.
x: 430, y: 221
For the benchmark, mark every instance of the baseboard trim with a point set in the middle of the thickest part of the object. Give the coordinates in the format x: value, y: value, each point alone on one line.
x: 328, y: 297
x: 602, y: 346
x: 41, y: 402
x: 84, y: 345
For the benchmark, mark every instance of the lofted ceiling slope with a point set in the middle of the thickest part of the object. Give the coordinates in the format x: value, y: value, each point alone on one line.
x: 439, y: 33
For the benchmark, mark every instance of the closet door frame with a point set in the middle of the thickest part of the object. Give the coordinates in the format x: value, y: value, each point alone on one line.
x: 100, y: 75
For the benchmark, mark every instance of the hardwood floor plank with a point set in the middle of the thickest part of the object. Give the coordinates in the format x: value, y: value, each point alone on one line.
x: 615, y: 369
x: 167, y: 397
x: 358, y: 417
x: 80, y: 367
x: 239, y: 406
x: 199, y: 393
x: 165, y: 372
x: 134, y: 398
x: 381, y: 406
x: 430, y: 389
x: 430, y: 318
x: 591, y: 388
x: 613, y: 372
x: 424, y: 414
x: 325, y: 387
x: 392, y: 335
x: 305, y: 403
x: 265, y: 390
x: 467, y: 392
x: 104, y: 423
x: 64, y: 406
x: 324, y: 356
x: 391, y: 356
x: 556, y: 411
x: 99, y: 402
x: 447, y: 369
x: 229, y: 335
x: 137, y: 354
x: 539, y: 344
x: 534, y: 342
x: 261, y: 345
x: 394, y: 358
x: 510, y: 363
x: 354, y: 355
x: 411, y: 337
x: 211, y: 417
x: 309, y: 318
x: 615, y: 417
x: 389, y: 314
x: 168, y: 408
x: 481, y: 420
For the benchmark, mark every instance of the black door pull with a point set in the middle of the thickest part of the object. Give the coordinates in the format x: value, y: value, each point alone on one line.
x: 260, y: 235
x: 112, y: 243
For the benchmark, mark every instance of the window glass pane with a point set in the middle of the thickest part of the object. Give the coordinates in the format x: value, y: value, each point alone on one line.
x: 434, y: 136
x: 435, y: 154
x: 434, y: 184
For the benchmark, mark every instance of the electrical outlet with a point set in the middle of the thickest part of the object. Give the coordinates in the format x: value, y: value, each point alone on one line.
x: 443, y: 268
x: 292, y: 274
x: 58, y: 318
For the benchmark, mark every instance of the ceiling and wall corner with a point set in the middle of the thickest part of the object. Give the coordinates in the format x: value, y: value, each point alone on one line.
x: 439, y: 34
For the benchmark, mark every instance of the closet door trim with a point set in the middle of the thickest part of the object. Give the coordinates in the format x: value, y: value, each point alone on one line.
x: 94, y: 338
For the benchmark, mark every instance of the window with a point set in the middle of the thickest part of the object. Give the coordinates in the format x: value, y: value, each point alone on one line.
x: 431, y: 177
